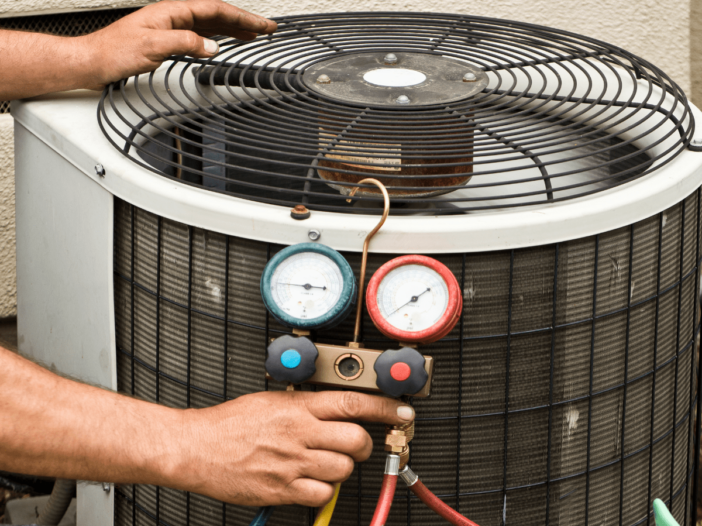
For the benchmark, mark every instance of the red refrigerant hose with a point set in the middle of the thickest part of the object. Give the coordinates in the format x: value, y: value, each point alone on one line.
x: 387, y: 491
x: 433, y: 502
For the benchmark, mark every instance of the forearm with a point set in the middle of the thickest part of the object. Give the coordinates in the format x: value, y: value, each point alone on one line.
x: 34, y: 64
x: 53, y: 426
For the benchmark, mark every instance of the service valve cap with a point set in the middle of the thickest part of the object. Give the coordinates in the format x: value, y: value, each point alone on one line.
x: 291, y: 359
x: 400, y: 372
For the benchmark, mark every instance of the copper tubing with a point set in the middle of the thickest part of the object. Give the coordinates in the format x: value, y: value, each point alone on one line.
x: 364, y: 260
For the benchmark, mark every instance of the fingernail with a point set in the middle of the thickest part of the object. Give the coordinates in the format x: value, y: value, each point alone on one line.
x: 211, y: 46
x: 405, y: 412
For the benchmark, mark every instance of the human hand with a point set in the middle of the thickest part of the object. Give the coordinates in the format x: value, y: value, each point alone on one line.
x: 141, y: 41
x: 274, y: 448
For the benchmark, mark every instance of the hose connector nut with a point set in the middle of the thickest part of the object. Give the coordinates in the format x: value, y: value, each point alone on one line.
x: 395, y: 441
x: 392, y: 465
x: 408, y: 476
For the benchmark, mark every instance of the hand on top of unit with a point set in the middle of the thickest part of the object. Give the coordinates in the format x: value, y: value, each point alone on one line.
x: 135, y: 44
x: 141, y: 41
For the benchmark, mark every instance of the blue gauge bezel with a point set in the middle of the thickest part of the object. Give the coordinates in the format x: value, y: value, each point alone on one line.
x: 332, y: 318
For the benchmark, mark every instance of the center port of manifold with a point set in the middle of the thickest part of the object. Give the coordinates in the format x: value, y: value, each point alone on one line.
x: 348, y: 366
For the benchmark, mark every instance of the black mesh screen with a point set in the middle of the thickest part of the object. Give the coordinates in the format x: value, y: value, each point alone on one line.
x: 65, y: 24
x: 565, y: 395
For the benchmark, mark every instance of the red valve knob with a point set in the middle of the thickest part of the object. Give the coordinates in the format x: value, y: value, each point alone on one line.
x: 401, y: 372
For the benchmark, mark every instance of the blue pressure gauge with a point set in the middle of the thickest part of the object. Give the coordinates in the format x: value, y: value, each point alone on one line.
x: 308, y: 286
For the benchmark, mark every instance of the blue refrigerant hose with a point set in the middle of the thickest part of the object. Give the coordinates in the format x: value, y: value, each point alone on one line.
x: 261, y: 518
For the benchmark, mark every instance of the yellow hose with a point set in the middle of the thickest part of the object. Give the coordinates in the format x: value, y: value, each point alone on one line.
x: 325, y: 514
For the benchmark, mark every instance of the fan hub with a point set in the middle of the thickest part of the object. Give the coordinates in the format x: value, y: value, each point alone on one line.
x: 414, y: 79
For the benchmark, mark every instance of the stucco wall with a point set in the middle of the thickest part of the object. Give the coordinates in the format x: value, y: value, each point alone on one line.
x: 696, y: 50
x: 8, y: 289
x: 44, y: 7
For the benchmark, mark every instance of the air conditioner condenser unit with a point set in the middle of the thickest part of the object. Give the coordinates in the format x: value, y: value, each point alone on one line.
x: 551, y: 173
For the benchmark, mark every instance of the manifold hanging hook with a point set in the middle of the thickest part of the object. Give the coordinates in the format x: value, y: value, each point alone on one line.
x: 364, y: 260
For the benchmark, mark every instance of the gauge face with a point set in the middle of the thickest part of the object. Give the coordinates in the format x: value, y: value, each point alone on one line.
x: 414, y: 299
x: 308, y: 286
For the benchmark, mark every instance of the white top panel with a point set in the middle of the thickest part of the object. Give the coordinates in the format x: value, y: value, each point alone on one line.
x: 67, y: 123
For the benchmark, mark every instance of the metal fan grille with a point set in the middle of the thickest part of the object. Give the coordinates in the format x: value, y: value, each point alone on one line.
x: 562, y: 116
x: 565, y: 395
x: 64, y: 24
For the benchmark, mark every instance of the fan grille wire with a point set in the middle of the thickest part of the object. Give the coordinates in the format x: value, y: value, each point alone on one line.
x: 563, y: 116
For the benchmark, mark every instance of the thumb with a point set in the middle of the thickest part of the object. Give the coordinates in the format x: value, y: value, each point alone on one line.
x: 349, y: 405
x: 182, y: 42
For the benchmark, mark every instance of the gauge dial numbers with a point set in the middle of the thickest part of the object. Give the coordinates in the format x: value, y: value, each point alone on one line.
x: 414, y: 299
x: 308, y: 286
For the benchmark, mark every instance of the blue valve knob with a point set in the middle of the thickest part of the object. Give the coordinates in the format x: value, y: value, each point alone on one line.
x: 291, y: 359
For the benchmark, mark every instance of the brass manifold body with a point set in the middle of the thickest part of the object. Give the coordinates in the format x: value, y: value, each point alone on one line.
x: 397, y: 439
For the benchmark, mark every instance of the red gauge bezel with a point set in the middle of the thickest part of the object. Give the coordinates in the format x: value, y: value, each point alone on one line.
x: 431, y: 334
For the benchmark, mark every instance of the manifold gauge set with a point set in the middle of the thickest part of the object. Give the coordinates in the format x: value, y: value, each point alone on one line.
x: 411, y: 299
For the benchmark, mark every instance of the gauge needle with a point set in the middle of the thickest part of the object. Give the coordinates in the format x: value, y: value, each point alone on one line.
x: 413, y: 299
x: 307, y: 286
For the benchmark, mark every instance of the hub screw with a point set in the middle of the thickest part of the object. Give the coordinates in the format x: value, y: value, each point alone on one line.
x: 323, y: 79
x: 100, y: 170
x: 314, y: 235
x: 402, y: 99
x: 390, y: 59
x: 106, y: 487
x: 299, y: 212
x: 469, y: 77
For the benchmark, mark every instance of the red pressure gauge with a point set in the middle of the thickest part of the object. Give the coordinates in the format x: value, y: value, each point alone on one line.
x: 414, y: 299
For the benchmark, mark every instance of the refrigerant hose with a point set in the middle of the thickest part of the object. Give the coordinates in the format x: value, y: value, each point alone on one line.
x: 325, y: 514
x: 264, y: 513
x: 433, y: 502
x: 59, y: 500
x: 387, y: 491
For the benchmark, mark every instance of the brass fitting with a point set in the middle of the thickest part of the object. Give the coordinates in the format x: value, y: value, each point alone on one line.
x: 408, y: 429
x: 397, y: 439
x: 404, y: 457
